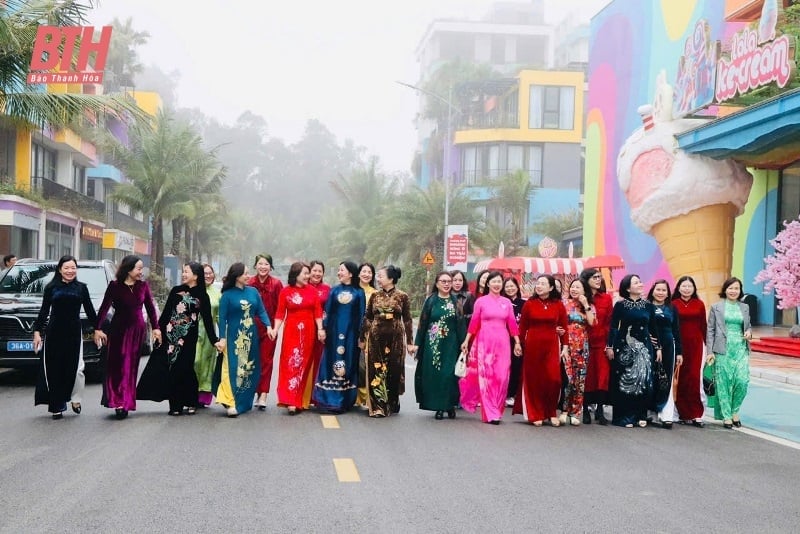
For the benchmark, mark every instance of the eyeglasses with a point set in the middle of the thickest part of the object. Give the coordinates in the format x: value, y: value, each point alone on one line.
x: 446, y: 281
x: 597, y: 277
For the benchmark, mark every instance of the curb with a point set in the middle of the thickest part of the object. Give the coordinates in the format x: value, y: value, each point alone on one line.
x: 775, y: 376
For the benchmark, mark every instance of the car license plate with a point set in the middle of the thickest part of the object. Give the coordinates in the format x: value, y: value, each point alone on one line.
x: 19, y: 346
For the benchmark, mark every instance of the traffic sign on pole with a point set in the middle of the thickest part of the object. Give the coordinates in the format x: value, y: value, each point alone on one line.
x: 428, y: 259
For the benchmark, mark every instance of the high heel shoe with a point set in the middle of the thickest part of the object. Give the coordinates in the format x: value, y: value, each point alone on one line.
x: 451, y: 413
x: 76, y: 407
x: 727, y: 424
x: 232, y: 412
x: 563, y: 418
x: 587, y: 417
x: 737, y: 423
x: 574, y: 421
x: 58, y: 415
x: 438, y: 415
x: 261, y: 403
x: 554, y: 421
x: 121, y: 413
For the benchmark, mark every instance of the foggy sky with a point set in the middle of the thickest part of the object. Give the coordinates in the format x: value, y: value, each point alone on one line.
x: 336, y: 61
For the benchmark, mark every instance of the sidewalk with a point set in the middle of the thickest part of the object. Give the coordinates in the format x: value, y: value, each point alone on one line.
x: 782, y: 369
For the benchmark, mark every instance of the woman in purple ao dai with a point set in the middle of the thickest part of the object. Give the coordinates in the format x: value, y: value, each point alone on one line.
x: 491, y: 325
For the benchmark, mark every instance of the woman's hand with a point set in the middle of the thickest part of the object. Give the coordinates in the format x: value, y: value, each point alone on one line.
x: 679, y: 359
x: 220, y: 345
x: 272, y: 333
x: 748, y: 335
x: 659, y: 355
x: 412, y: 350
x: 564, y: 353
x: 560, y: 331
x: 321, y: 335
x: 100, y: 338
x: 465, y: 346
x: 37, y: 342
x: 583, y: 301
x: 710, y: 359
x: 517, y: 349
x: 156, y: 336
x: 362, y: 345
x: 609, y: 353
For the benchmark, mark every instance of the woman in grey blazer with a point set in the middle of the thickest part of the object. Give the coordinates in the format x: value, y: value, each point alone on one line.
x: 728, y: 349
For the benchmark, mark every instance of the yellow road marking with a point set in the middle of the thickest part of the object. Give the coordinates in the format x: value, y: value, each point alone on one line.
x: 329, y: 421
x: 346, y: 470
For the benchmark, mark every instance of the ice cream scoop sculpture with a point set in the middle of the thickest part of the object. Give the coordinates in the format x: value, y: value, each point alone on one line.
x: 687, y: 202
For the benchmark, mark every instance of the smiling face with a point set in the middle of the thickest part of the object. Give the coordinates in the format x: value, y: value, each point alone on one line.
x: 686, y: 289
x: 383, y: 280
x: 444, y: 283
x: 188, y: 277
x: 302, y: 278
x: 660, y: 293
x: 208, y: 275
x: 317, y: 272
x: 733, y: 291
x: 69, y: 270
x: 495, y: 285
x: 245, y: 276
x: 263, y: 268
x: 365, y: 275
x: 136, y: 273
x: 482, y: 280
x: 510, y: 289
x: 576, y: 289
x: 595, y: 281
x: 344, y: 276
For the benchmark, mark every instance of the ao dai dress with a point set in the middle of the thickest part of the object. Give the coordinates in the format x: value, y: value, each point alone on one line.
x: 323, y: 290
x: 731, y: 368
x: 126, y: 334
x: 387, y: 329
x: 491, y: 324
x: 693, y: 327
x: 206, y: 359
x: 540, y: 386
x: 337, y: 380
x: 61, y: 376
x: 578, y: 358
x: 239, y: 375
x: 633, y: 324
x: 439, y: 335
x: 269, y: 290
x: 299, y: 309
x: 670, y: 336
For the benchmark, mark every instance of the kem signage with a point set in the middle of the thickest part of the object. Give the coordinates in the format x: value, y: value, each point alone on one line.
x: 61, y: 55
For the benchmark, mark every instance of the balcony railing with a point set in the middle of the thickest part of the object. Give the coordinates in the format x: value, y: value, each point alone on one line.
x: 67, y: 198
x: 484, y: 121
x: 127, y: 223
x: 481, y: 177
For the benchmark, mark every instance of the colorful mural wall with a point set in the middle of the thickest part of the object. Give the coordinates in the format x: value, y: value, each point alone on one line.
x: 631, y: 43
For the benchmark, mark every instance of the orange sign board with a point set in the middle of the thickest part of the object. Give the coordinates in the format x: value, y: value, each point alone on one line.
x: 428, y: 259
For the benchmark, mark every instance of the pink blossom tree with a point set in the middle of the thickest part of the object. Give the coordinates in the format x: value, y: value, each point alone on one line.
x: 782, y: 271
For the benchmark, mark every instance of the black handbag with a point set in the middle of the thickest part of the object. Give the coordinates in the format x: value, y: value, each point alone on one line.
x: 709, y: 386
x: 661, y: 380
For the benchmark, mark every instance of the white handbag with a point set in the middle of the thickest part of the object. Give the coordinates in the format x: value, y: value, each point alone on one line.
x: 461, y: 365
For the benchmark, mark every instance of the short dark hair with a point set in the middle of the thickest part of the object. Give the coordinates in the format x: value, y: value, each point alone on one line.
x: 625, y: 285
x: 728, y: 283
x: 677, y: 294
x: 294, y: 271
x: 127, y: 264
x: 266, y: 257
x: 492, y: 276
x: 7, y: 258
x: 234, y: 271
x: 587, y: 291
x: 513, y: 281
x: 314, y: 263
x: 392, y: 273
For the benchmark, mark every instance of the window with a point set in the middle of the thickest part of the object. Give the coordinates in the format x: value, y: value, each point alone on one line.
x: 79, y: 178
x: 552, y: 107
x: 43, y: 162
x: 90, y: 188
x: 535, y: 164
x: 470, y: 165
x: 498, y: 49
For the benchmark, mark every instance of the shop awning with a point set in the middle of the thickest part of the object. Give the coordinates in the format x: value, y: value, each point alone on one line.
x: 765, y: 135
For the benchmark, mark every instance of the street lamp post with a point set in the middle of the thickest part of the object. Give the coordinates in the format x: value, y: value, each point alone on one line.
x: 446, y: 161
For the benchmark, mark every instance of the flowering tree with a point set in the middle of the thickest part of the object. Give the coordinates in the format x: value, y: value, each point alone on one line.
x: 782, y: 272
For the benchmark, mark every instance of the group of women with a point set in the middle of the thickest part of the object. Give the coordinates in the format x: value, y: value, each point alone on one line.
x: 339, y: 343
x: 551, y: 357
x: 346, y: 345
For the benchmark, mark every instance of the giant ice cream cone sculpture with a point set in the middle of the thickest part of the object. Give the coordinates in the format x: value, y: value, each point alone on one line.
x: 687, y: 202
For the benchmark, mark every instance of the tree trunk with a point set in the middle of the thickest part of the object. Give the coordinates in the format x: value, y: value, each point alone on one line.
x: 177, y: 230
x: 157, y: 241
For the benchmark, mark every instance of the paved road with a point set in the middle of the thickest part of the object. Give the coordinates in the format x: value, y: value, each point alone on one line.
x: 275, y: 473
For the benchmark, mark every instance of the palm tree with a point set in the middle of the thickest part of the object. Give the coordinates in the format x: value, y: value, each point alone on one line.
x: 160, y: 162
x: 414, y: 223
x: 122, y: 64
x: 19, y: 20
x: 512, y: 194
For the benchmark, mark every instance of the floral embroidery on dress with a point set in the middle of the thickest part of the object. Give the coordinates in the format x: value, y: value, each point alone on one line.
x: 438, y: 331
x: 296, y: 298
x: 245, y: 366
x: 379, y: 382
x: 179, y: 324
